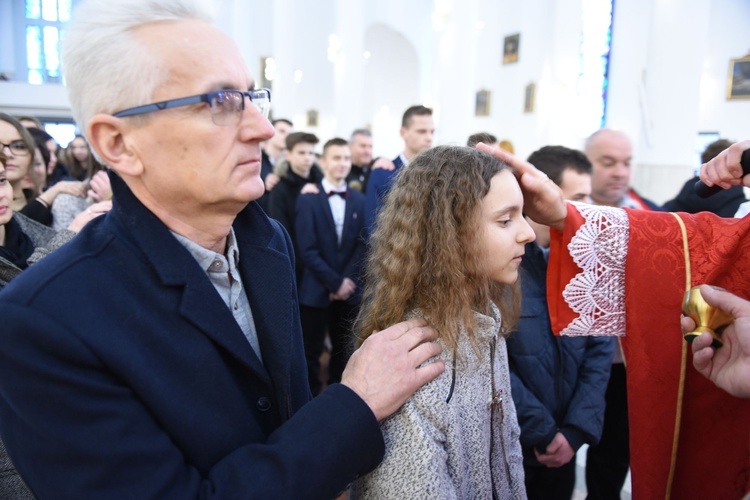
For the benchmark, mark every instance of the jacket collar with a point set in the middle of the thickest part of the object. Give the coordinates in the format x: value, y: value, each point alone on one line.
x: 264, y: 259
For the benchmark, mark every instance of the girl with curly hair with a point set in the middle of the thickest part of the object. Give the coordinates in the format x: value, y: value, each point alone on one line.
x: 447, y: 247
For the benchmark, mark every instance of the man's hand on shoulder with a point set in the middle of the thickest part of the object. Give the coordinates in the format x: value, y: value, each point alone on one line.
x: 383, y: 163
x: 309, y: 188
x: 385, y: 371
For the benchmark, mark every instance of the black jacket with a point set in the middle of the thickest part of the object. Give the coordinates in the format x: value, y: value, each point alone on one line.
x: 724, y: 203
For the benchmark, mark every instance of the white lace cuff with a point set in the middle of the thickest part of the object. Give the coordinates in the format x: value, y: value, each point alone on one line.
x: 597, y: 294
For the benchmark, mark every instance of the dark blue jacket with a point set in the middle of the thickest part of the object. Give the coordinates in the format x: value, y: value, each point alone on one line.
x: 558, y: 383
x: 123, y: 374
x: 378, y: 185
x: 326, y: 261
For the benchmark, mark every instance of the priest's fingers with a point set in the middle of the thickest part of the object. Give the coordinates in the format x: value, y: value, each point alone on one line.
x: 520, y: 167
x: 543, y: 199
x: 687, y: 324
x: 728, y: 302
x: 725, y: 169
x: 703, y: 354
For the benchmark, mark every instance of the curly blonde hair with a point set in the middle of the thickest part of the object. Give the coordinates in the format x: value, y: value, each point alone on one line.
x: 425, y: 252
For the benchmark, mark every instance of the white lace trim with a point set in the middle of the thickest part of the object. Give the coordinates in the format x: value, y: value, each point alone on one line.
x: 597, y: 294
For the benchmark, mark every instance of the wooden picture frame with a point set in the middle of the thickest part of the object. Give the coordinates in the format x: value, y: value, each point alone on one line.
x: 263, y: 80
x: 312, y: 118
x: 482, y: 103
x: 529, y: 98
x: 738, y: 86
x: 511, y: 44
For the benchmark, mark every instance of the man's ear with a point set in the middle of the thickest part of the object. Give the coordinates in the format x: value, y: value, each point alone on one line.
x: 108, y: 136
x: 402, y: 132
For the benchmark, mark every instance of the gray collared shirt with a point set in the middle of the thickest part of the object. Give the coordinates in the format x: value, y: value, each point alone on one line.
x: 224, y: 275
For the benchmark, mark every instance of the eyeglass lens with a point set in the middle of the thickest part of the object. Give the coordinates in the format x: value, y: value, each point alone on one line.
x: 16, y: 147
x: 227, y: 106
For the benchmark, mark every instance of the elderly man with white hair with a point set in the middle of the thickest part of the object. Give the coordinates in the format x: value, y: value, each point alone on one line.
x: 159, y: 354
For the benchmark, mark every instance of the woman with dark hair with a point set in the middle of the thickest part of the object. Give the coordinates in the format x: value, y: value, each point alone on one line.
x: 40, y: 197
x: 447, y: 247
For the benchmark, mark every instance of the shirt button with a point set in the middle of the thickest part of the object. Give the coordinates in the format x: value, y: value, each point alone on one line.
x: 217, y: 264
x: 264, y: 404
x: 236, y: 306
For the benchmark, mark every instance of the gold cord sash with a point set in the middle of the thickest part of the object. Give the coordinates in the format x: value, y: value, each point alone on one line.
x: 683, y: 363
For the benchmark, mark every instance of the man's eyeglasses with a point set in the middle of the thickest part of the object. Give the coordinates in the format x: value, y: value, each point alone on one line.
x: 17, y: 148
x: 226, y: 105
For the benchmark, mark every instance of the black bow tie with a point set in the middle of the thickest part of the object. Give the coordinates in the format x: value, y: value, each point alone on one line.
x: 339, y: 193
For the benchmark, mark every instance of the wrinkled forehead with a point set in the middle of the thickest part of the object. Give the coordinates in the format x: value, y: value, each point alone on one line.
x: 361, y: 140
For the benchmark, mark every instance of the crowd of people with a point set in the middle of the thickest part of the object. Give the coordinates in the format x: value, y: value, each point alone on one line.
x: 482, y: 316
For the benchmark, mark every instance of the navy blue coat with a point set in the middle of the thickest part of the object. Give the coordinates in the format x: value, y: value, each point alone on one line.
x: 326, y: 262
x: 124, y: 375
x: 378, y: 185
x: 558, y: 383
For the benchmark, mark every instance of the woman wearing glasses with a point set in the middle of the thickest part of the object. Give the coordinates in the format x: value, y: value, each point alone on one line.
x: 24, y: 241
x: 20, y: 150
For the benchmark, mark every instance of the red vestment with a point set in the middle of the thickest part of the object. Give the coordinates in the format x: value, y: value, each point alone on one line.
x: 713, y: 446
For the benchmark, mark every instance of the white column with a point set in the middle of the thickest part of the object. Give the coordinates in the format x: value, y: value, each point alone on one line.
x: 349, y: 68
x: 657, y: 63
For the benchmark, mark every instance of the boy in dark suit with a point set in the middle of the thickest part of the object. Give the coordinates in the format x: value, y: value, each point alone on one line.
x: 329, y: 237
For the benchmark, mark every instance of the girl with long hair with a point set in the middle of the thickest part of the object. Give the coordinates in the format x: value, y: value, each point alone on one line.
x: 80, y: 161
x: 447, y: 247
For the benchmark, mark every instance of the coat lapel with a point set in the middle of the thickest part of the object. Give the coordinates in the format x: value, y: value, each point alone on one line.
x: 201, y: 305
x: 269, y: 283
x: 325, y: 207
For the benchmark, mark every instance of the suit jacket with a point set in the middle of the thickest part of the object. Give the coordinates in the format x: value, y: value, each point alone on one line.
x: 326, y: 262
x: 266, y: 167
x: 378, y: 185
x: 145, y: 387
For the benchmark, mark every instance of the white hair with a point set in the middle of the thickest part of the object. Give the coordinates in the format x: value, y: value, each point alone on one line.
x: 106, y: 67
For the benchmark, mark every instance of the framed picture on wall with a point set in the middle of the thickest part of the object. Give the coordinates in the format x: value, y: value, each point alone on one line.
x: 267, y: 69
x: 739, y: 78
x: 312, y: 118
x: 529, y: 98
x: 510, y: 48
x: 482, y: 106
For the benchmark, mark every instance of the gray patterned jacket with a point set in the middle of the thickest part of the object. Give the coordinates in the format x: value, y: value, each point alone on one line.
x: 447, y: 441
x: 44, y: 239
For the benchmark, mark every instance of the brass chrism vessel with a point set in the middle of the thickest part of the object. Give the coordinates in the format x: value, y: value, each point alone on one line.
x: 707, y: 318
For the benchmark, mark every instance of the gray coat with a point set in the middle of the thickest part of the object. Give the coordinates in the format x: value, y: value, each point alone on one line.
x: 447, y: 441
x: 45, y: 240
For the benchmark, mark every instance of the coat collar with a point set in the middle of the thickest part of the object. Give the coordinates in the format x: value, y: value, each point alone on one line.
x: 267, y: 275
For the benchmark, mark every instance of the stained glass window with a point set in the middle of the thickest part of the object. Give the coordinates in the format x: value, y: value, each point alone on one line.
x: 593, y: 80
x: 44, y: 22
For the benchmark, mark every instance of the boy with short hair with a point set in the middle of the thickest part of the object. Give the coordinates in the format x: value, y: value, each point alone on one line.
x: 300, y: 156
x: 417, y: 131
x: 329, y: 227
